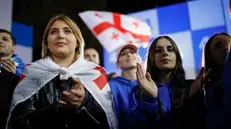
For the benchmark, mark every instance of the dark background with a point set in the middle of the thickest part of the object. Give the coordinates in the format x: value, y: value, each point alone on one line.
x: 37, y: 13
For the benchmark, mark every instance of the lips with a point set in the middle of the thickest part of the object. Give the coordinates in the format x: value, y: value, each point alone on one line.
x: 60, y: 43
x: 165, y: 60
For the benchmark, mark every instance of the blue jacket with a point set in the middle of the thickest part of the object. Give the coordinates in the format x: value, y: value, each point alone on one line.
x: 122, y: 89
x: 146, y: 113
x: 19, y: 65
x: 136, y: 112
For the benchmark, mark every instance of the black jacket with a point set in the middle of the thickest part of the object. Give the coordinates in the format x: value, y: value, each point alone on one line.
x: 8, y: 81
x: 193, y: 112
x: 43, y: 111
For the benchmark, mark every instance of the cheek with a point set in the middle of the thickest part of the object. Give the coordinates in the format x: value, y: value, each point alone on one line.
x: 174, y: 60
x: 157, y: 61
x: 49, y: 46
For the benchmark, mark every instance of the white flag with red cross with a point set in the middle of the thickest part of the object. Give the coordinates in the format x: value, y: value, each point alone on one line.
x: 114, y: 29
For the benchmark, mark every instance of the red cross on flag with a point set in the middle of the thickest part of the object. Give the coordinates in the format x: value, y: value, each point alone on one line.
x: 113, y: 29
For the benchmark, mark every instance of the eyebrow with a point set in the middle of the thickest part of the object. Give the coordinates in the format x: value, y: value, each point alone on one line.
x: 65, y: 28
x: 162, y: 46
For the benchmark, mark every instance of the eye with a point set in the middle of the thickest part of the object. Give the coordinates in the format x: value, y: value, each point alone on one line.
x: 132, y: 52
x: 53, y: 31
x: 122, y: 54
x: 170, y: 49
x: 5, y: 39
x: 158, y: 50
x: 218, y: 45
x: 68, y: 31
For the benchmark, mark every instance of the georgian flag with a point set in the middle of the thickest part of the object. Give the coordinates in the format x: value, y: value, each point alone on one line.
x: 93, y: 76
x: 113, y: 29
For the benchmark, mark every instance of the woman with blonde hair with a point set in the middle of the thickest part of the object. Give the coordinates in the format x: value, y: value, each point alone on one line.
x: 62, y: 90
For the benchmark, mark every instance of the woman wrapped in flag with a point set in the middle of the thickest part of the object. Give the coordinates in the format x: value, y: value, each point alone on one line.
x: 62, y: 90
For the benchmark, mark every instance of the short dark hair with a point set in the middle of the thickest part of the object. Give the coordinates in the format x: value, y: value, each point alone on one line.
x: 11, y: 36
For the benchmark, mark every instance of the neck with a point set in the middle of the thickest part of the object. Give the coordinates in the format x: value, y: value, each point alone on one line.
x: 130, y: 74
x: 5, y: 57
x: 217, y: 72
x: 165, y: 77
x: 63, y: 61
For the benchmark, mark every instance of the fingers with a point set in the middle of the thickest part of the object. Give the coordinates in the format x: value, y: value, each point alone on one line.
x: 202, y: 71
x: 140, y: 72
x: 208, y: 72
x: 75, y: 95
x: 77, y: 84
x: 206, y: 76
x: 71, y: 98
x: 9, y: 65
x: 148, y: 76
x: 62, y: 102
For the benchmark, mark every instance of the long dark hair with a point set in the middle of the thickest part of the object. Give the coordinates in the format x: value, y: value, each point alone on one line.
x: 216, y: 78
x: 209, y: 62
x: 177, y: 74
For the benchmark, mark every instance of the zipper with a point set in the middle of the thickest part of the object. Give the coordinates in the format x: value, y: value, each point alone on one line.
x: 84, y: 108
x: 66, y: 122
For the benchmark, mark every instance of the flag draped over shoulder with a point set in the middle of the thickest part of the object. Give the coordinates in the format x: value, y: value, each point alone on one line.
x: 114, y: 30
x: 39, y: 73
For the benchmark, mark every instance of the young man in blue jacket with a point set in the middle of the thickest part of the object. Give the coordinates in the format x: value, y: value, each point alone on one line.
x: 123, y: 86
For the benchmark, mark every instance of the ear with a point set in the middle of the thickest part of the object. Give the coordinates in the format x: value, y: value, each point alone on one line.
x: 13, y: 48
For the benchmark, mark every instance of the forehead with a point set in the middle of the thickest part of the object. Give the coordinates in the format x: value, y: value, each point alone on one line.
x: 59, y: 24
x: 163, y: 42
x: 90, y: 51
x: 127, y: 50
x: 3, y: 34
x: 220, y: 38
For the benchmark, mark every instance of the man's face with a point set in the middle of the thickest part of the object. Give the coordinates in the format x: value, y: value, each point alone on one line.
x: 6, y: 45
x: 128, y: 58
x: 91, y: 54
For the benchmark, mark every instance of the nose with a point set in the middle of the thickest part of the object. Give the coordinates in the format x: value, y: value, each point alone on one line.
x: 165, y: 52
x: 129, y: 54
x: 60, y: 35
x: 90, y: 58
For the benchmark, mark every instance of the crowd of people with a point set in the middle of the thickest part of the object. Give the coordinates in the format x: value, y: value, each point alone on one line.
x: 68, y: 88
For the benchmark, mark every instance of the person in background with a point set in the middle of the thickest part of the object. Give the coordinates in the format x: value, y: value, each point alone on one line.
x: 8, y: 60
x: 123, y: 86
x: 215, y: 54
x: 62, y: 90
x: 8, y: 78
x: 91, y: 54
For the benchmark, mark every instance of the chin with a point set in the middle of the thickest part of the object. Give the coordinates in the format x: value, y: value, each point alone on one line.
x: 166, y: 68
x: 130, y: 67
x: 61, y: 54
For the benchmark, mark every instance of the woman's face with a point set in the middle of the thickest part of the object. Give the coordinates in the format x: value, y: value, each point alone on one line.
x: 61, y: 40
x: 219, y: 48
x: 165, y: 56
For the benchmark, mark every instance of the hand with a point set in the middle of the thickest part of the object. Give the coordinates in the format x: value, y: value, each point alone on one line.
x: 200, y: 81
x: 75, y: 96
x: 9, y: 65
x: 145, y: 82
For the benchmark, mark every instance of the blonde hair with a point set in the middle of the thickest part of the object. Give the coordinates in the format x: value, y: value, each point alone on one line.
x: 75, y: 29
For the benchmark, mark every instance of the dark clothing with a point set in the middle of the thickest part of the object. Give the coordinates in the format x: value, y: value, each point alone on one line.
x: 8, y: 81
x: 43, y: 111
x: 193, y: 114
